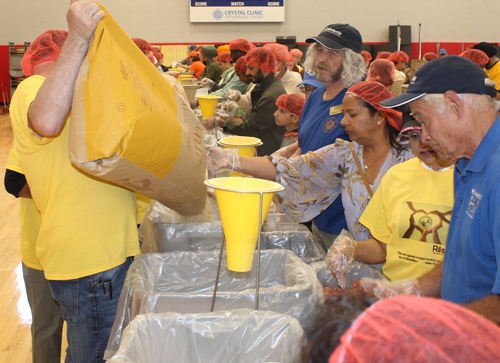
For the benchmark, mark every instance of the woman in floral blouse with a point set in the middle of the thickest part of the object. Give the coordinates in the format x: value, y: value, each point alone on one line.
x: 314, y: 180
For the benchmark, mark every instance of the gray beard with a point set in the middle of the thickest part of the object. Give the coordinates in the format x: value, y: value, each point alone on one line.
x: 334, y: 77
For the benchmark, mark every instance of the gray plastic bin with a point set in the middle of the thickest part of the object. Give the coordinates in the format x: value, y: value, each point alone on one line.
x: 208, y: 236
x: 183, y: 282
x: 238, y: 336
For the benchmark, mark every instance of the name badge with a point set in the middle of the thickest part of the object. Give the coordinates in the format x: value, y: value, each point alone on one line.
x: 335, y: 110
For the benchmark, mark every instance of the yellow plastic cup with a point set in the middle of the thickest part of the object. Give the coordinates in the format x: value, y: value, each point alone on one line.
x: 187, y: 81
x: 238, y: 200
x: 244, y: 144
x: 208, y: 105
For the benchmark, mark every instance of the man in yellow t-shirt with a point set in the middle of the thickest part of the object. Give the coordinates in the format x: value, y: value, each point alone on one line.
x: 408, y: 216
x: 88, y: 232
x: 47, y: 322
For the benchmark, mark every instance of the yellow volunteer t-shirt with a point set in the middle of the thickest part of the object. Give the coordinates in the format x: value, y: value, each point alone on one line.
x: 494, y: 74
x: 143, y: 203
x: 29, y: 217
x: 88, y: 226
x: 411, y: 212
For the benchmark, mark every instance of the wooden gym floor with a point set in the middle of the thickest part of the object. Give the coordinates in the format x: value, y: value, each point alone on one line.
x: 15, y: 314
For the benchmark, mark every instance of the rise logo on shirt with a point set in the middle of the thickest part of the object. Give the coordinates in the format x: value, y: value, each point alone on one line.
x: 425, y: 222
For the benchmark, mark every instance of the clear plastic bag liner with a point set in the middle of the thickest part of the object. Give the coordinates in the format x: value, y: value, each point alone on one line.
x: 237, y: 336
x: 183, y: 282
x: 301, y: 242
x: 276, y: 221
x: 158, y: 213
x: 358, y: 271
x: 170, y: 237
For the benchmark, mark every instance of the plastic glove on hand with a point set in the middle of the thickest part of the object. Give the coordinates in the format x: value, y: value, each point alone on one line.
x: 287, y: 152
x: 207, y: 83
x: 175, y: 64
x: 383, y: 289
x: 218, y: 159
x: 229, y: 107
x: 209, y: 122
x: 341, y: 255
x: 222, y: 115
x: 233, y: 95
x: 194, y: 104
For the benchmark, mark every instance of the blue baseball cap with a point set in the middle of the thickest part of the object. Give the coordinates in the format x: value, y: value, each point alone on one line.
x: 442, y: 51
x: 452, y: 73
x: 310, y: 80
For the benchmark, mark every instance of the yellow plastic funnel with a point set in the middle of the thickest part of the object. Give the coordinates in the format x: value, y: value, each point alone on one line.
x: 239, y: 202
x: 208, y: 105
x: 244, y: 144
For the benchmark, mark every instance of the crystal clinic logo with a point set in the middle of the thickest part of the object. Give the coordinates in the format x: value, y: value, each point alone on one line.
x: 218, y: 14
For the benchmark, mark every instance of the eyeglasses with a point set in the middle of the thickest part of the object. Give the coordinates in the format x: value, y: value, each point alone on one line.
x: 306, y: 88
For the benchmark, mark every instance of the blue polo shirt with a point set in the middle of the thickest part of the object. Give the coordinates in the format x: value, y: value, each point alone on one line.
x: 471, y: 269
x: 320, y: 126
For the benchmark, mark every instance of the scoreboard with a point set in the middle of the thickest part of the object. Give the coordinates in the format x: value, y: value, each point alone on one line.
x: 237, y: 11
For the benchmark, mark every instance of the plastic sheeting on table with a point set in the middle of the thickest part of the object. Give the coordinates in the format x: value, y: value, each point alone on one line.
x: 183, y: 282
x: 171, y: 237
x: 276, y: 221
x: 237, y: 336
x: 358, y: 271
x: 158, y: 213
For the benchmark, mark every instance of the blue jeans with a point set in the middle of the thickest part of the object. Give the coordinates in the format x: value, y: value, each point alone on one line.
x: 88, y: 306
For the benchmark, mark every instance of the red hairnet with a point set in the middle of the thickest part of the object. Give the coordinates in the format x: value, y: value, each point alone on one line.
x: 262, y: 58
x: 374, y: 93
x: 142, y: 44
x: 296, y: 53
x: 241, y: 44
x: 45, y: 48
x: 224, y: 57
x: 399, y: 56
x: 477, y: 56
x: 292, y: 103
x: 383, y: 55
x: 157, y: 53
x: 240, y: 65
x: 223, y: 49
x: 151, y: 58
x: 383, y: 71
x: 366, y: 55
x: 279, y: 51
x: 415, y: 329
x: 430, y: 56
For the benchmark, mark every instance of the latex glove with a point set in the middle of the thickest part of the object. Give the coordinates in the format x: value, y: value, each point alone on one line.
x: 175, y: 64
x: 221, y: 159
x: 229, y: 107
x: 209, y: 122
x: 287, y: 152
x: 383, y: 289
x: 222, y: 115
x: 207, y: 83
x: 233, y: 95
x: 194, y: 104
x: 341, y: 255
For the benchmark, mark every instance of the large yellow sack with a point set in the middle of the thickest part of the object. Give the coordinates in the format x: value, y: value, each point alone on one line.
x: 132, y: 127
